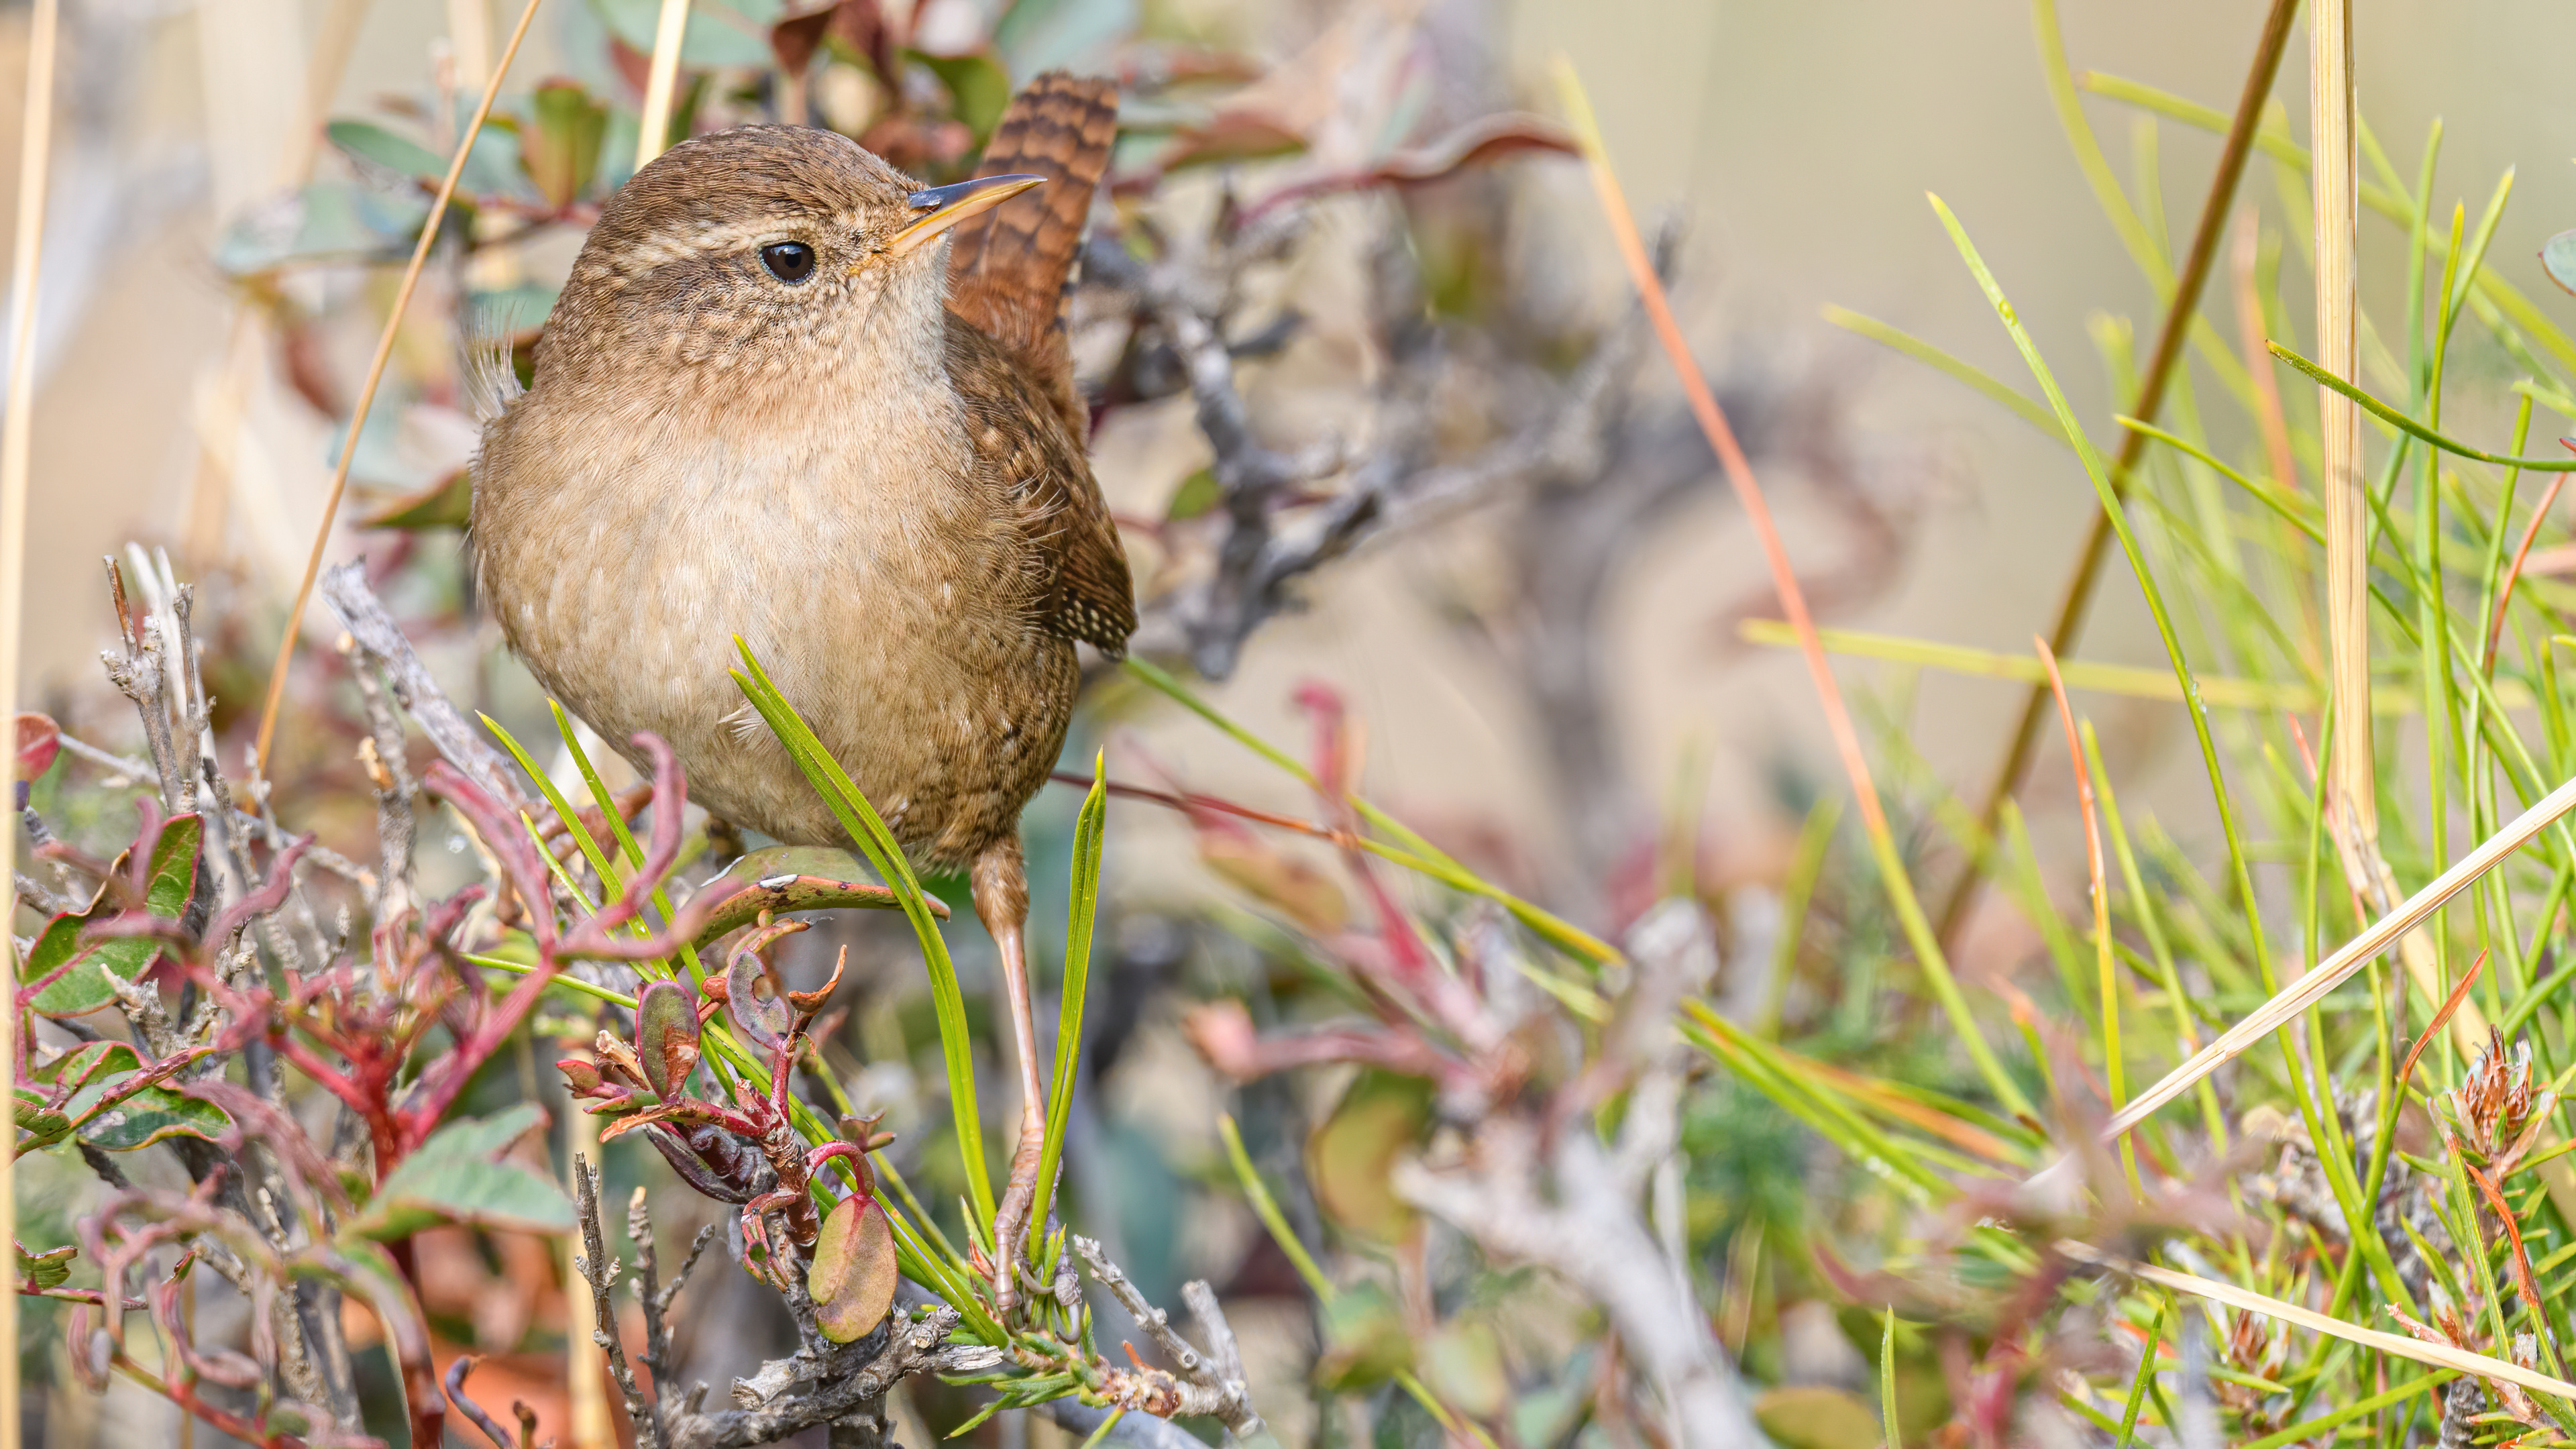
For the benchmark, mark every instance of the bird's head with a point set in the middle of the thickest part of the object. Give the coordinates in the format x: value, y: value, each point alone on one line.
x: 760, y: 254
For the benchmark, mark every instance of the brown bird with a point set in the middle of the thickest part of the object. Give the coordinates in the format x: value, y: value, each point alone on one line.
x: 789, y: 393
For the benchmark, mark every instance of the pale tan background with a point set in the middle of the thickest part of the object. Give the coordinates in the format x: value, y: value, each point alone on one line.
x: 1797, y: 138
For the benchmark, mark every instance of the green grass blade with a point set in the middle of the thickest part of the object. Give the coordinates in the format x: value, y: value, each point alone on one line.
x: 1077, y: 975
x: 2293, y: 509
x: 1957, y: 369
x: 626, y: 842
x: 1887, y: 1381
x: 2146, y: 1375
x: 1266, y: 1208
x: 1416, y: 855
x: 2100, y: 476
x: 590, y: 848
x: 868, y: 830
x: 2318, y: 1427
x: 2403, y: 423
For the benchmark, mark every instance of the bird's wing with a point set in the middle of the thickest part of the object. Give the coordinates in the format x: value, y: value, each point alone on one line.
x: 1085, y: 591
x: 1007, y: 268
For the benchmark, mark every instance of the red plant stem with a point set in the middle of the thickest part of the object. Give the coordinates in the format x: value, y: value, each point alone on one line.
x: 2504, y: 595
x: 865, y: 1176
x: 184, y: 1394
x: 2441, y: 1018
x: 593, y: 938
x: 1748, y: 489
x: 1190, y: 801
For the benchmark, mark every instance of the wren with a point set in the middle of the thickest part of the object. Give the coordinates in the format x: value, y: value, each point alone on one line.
x: 790, y: 394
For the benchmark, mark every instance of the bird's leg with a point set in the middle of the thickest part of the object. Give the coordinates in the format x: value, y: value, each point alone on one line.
x: 1002, y: 900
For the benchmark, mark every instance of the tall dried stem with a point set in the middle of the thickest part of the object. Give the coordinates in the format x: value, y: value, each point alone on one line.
x: 2337, y: 192
x: 653, y: 131
x: 429, y: 229
x: 36, y: 147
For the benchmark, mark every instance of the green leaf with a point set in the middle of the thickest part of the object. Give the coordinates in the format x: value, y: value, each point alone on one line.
x: 460, y: 1176
x: 1463, y: 1363
x: 853, y: 1277
x: 709, y: 41
x: 1042, y: 35
x: 977, y: 85
x: 85, y: 988
x: 562, y: 157
x: 1365, y: 1340
x: 447, y: 503
x: 366, y: 141
x: 95, y: 1070
x: 1198, y: 493
x: 864, y: 826
x: 49, y: 1269
x: 2558, y: 255
x: 1349, y: 1157
x: 1814, y: 1416
x: 42, y: 1125
x: 1077, y: 976
x: 328, y: 220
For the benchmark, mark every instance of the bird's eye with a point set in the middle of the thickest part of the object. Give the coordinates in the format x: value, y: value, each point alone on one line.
x: 788, y: 261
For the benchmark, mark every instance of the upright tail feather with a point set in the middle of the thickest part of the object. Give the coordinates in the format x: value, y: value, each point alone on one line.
x: 1008, y: 269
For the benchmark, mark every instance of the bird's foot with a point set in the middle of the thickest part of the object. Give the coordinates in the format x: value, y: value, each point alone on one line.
x: 1011, y: 1217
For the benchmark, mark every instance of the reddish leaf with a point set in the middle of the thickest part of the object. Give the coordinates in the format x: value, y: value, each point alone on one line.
x: 795, y: 39
x: 39, y: 740
x: 666, y: 1036
x: 853, y: 1276
x: 764, y: 1020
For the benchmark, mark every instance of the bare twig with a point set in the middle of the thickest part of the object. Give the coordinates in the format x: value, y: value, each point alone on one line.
x: 2180, y: 310
x: 344, y: 590
x: 1566, y: 1210
x: 600, y: 1270
x: 269, y: 833
x: 381, y: 752
x: 1209, y: 1389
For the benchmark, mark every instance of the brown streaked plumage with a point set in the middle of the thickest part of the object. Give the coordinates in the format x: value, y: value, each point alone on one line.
x: 866, y: 459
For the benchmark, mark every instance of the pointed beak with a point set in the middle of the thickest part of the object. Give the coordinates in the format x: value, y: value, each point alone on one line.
x: 942, y: 207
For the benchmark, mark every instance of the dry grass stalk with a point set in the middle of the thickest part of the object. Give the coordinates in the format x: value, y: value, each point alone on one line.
x: 429, y: 229
x: 2330, y: 118
x: 2179, y: 312
x: 2307, y: 990
x: 36, y: 149
x: 219, y: 422
x: 2398, y: 1345
x: 653, y: 132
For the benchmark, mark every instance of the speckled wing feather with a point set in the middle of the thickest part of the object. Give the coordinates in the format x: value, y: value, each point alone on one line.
x: 1023, y: 446
x: 1007, y: 268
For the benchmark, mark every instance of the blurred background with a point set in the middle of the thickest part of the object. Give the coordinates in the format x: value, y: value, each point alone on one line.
x: 1555, y: 681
